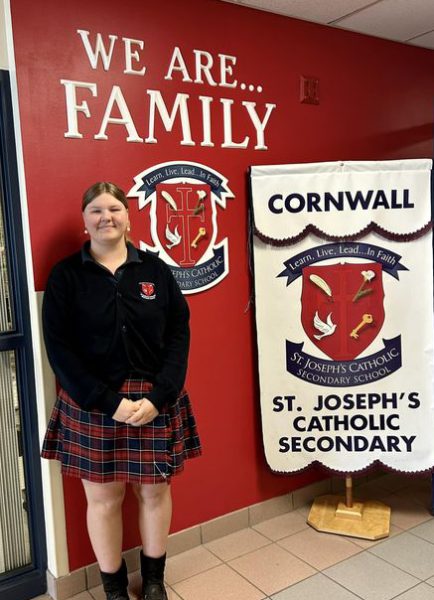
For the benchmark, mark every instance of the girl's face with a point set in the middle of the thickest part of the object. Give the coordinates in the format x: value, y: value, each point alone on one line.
x: 106, y: 219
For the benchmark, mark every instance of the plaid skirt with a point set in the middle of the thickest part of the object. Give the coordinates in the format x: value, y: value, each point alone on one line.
x: 91, y: 445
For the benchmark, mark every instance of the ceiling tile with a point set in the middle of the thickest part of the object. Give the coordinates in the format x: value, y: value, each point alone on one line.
x: 409, y: 21
x: 318, y: 11
x: 392, y: 19
x: 427, y: 40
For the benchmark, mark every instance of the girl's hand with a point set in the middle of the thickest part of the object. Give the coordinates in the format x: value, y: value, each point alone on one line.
x: 145, y: 413
x: 125, y: 410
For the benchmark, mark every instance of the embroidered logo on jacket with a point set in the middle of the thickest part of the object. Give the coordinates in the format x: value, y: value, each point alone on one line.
x: 147, y: 290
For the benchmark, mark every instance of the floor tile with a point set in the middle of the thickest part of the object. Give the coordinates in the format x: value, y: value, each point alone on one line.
x: 304, y: 510
x: 271, y: 568
x: 134, y: 584
x: 171, y: 594
x: 420, y: 592
x: 370, y: 577
x: 97, y: 593
x: 282, y: 526
x: 405, y: 512
x: 409, y: 553
x: 279, y: 559
x: 236, y: 544
x: 317, y: 587
x: 220, y: 583
x: 189, y: 563
x: 134, y: 590
x: 365, y: 544
x: 425, y: 531
x: 321, y: 550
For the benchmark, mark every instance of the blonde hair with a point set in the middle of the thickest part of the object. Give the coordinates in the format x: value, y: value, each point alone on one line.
x: 103, y: 187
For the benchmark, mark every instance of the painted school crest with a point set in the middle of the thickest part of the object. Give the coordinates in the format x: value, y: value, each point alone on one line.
x: 184, y: 199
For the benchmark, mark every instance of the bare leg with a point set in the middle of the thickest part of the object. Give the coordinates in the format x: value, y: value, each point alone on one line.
x: 104, y: 522
x: 155, y: 514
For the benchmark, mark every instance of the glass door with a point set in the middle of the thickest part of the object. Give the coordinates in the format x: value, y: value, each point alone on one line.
x: 22, y: 533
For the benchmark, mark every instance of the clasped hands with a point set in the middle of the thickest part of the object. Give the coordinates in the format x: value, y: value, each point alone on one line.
x: 135, y: 413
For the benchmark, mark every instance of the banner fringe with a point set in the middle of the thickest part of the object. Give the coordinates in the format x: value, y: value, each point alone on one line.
x: 371, y: 228
x: 357, y: 473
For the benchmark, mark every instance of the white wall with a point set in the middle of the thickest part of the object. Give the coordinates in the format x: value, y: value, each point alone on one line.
x: 3, y: 50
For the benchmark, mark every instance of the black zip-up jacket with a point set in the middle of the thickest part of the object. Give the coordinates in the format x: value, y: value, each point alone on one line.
x: 100, y: 328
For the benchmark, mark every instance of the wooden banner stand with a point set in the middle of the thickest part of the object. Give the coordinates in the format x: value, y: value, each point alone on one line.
x: 334, y: 514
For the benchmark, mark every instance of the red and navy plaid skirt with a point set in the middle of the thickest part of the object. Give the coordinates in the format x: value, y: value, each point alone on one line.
x: 92, y: 446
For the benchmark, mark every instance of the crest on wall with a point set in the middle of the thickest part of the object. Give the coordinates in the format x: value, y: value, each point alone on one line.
x: 183, y: 199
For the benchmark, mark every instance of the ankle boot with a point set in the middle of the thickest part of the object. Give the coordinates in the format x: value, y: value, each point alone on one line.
x: 116, y: 584
x: 153, y: 577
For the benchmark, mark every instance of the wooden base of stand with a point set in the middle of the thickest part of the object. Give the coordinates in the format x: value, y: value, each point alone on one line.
x: 369, y: 520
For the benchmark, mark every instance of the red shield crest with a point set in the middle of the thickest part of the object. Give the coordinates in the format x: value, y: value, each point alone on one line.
x: 184, y: 220
x: 147, y: 290
x: 342, y: 307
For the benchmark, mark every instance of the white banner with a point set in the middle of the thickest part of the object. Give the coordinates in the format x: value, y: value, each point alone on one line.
x: 344, y: 311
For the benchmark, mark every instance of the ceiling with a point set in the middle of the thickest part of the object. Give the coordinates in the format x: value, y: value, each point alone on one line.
x: 407, y: 21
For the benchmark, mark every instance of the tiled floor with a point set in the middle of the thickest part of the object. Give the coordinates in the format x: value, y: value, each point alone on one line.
x: 285, y: 559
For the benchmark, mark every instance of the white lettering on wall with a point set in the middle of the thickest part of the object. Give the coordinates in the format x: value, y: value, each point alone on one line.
x: 72, y: 108
x: 204, y: 66
x: 211, y: 119
x: 157, y: 104
x: 225, y: 68
x: 168, y: 120
x: 100, y: 50
x: 259, y: 125
x: 178, y: 64
x: 206, y: 120
x: 130, y: 55
x: 227, y: 126
x: 116, y: 97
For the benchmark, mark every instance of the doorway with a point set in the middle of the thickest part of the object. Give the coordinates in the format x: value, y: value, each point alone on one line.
x: 22, y: 531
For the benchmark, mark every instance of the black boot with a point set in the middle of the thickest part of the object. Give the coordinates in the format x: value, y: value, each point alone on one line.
x: 116, y: 584
x: 153, y: 577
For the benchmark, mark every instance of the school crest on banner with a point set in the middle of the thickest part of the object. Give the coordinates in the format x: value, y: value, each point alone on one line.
x: 342, y: 307
x: 344, y: 324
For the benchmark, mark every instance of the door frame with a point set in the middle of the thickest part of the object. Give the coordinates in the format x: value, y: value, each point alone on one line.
x: 29, y: 581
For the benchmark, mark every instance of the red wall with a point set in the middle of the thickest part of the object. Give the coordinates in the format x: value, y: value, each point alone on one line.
x: 376, y: 102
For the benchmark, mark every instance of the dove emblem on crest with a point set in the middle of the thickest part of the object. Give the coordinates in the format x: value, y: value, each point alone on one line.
x: 327, y: 328
x: 173, y: 237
